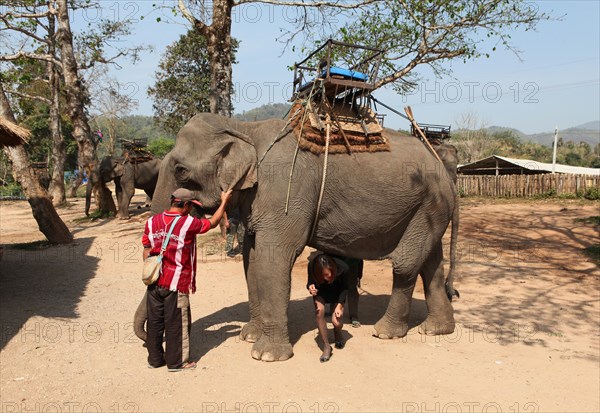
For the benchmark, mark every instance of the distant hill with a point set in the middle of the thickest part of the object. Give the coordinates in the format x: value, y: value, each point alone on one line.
x: 595, y: 125
x: 499, y: 129
x: 269, y: 111
x: 588, y: 132
x: 576, y: 135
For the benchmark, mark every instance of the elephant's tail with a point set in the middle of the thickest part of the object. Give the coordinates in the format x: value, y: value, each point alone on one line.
x: 450, y: 291
x: 139, y: 319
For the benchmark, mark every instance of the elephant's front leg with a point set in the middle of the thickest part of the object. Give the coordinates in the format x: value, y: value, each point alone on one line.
x: 253, y: 329
x: 127, y: 192
x: 272, y: 269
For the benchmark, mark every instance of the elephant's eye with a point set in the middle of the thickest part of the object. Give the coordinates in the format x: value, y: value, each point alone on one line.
x: 182, y: 173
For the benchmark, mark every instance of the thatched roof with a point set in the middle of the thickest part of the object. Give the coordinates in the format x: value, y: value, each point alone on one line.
x: 12, y: 134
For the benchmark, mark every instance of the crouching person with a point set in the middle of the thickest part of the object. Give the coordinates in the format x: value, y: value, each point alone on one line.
x: 328, y: 284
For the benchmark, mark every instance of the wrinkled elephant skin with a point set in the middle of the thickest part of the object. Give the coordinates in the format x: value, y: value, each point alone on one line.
x: 395, y: 204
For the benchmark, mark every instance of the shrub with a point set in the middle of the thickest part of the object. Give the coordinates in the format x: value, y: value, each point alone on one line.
x: 592, y: 194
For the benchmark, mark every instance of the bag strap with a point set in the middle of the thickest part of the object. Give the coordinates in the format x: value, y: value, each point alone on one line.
x: 168, y: 237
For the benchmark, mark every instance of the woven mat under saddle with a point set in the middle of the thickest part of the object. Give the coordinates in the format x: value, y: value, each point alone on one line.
x: 139, y: 156
x: 365, y: 136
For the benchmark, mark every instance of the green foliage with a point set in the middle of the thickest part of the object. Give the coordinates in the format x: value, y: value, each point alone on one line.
x: 26, y: 76
x: 269, y: 111
x: 11, y: 190
x: 593, y: 220
x: 182, y: 84
x: 592, y: 194
x: 161, y: 146
x: 416, y: 32
x: 593, y: 253
x: 480, y: 143
x: 545, y: 195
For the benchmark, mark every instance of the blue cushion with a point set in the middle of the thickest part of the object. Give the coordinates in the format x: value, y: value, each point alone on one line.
x: 347, y: 73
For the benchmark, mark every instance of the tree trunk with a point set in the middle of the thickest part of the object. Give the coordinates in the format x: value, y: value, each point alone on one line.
x: 44, y: 213
x: 76, y: 95
x: 59, y: 154
x: 102, y: 194
x: 218, y: 37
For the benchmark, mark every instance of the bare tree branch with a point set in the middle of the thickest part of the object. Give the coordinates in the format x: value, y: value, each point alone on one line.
x: 28, y: 55
x: 9, y: 26
x: 197, y: 23
x: 28, y: 96
x: 337, y: 4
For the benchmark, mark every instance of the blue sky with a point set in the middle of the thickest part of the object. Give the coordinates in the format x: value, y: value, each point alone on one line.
x: 556, y: 84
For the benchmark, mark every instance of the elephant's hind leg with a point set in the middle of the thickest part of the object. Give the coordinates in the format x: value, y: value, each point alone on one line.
x: 394, y: 322
x: 408, y: 258
x: 440, y: 318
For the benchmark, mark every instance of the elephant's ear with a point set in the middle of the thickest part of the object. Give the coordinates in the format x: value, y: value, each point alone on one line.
x: 237, y: 161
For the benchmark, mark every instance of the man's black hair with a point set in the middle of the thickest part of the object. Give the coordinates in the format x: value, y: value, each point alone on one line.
x: 176, y: 203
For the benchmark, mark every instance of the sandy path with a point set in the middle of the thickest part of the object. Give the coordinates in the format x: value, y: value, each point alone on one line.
x: 527, y: 337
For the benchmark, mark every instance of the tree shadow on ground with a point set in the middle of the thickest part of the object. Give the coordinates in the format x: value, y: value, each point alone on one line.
x: 33, y: 284
x: 521, y: 272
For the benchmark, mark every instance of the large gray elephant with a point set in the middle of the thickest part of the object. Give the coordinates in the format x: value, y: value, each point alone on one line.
x: 395, y: 204
x: 128, y: 175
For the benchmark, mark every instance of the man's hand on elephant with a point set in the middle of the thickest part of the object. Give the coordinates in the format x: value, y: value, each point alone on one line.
x: 226, y: 195
x: 312, y: 290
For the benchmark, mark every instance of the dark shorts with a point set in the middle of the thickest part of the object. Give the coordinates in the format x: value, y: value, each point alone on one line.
x: 329, y: 295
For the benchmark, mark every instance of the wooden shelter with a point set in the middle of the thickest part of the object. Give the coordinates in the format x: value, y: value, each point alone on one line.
x: 500, y: 165
x: 12, y: 134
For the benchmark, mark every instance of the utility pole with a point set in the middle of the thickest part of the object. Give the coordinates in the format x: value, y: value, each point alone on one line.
x: 554, y: 151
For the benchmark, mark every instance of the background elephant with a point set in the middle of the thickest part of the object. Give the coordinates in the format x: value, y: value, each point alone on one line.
x: 395, y: 204
x: 128, y: 175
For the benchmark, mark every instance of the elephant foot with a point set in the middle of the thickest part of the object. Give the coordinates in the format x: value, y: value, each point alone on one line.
x: 273, y: 344
x: 251, y: 332
x: 265, y: 350
x: 435, y: 327
x: 386, y: 330
x: 123, y: 218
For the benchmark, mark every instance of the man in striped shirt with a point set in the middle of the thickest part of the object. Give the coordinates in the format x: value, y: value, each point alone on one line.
x: 168, y: 299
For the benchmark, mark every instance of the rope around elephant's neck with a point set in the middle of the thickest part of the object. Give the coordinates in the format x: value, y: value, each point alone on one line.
x: 305, y: 105
x: 322, y: 190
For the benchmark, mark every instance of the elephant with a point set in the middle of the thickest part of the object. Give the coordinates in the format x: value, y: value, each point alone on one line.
x: 128, y: 175
x: 392, y: 204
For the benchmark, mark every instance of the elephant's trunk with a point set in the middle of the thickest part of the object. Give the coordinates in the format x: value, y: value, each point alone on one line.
x: 165, y: 186
x: 139, y: 319
x: 88, y: 196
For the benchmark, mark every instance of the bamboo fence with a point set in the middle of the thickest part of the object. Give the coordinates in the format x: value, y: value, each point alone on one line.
x: 523, y: 186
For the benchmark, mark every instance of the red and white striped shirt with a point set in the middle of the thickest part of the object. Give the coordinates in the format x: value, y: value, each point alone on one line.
x: 179, y: 259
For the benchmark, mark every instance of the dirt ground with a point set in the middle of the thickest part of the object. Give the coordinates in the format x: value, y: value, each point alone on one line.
x: 527, y: 336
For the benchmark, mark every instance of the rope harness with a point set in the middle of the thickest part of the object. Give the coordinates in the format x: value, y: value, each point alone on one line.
x: 328, y: 124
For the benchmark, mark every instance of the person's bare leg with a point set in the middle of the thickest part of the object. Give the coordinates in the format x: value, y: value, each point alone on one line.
x: 338, y: 323
x: 322, y: 327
